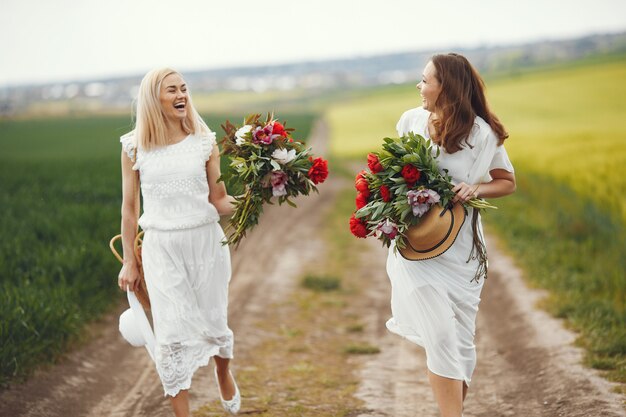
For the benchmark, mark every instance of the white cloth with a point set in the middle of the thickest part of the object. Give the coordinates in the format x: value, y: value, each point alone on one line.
x: 434, y: 302
x: 186, y: 267
x: 174, y: 186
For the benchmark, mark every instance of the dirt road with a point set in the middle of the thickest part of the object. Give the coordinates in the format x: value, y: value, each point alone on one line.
x: 526, y: 364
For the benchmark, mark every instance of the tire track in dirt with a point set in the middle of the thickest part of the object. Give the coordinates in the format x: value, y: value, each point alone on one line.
x: 107, y: 377
x: 527, y: 365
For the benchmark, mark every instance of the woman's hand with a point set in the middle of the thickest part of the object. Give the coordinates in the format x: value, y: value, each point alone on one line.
x: 129, y: 277
x: 218, y: 195
x: 465, y: 192
x: 502, y: 184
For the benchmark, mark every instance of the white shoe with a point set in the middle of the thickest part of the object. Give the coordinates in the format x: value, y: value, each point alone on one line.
x: 232, y: 405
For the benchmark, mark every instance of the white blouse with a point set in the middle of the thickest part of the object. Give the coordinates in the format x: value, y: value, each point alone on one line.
x: 174, y: 183
x: 461, y: 166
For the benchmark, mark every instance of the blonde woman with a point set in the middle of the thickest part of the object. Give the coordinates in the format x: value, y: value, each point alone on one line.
x: 172, y: 156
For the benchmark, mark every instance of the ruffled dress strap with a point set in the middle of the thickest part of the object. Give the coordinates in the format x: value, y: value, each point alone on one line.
x: 128, y: 144
x: 208, y: 140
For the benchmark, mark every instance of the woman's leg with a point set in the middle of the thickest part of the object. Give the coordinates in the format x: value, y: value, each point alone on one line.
x: 180, y: 404
x: 448, y: 393
x: 227, y: 385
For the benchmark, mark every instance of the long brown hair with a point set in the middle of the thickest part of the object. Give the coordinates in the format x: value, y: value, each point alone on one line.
x: 462, y: 98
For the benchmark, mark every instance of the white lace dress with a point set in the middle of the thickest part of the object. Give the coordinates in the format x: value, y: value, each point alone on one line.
x: 434, y: 302
x: 187, y: 270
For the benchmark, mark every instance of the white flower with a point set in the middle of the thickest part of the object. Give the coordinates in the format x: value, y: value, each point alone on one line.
x: 283, y: 156
x: 279, y: 190
x: 241, y: 132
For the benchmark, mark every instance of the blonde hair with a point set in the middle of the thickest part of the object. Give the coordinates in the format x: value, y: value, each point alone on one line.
x: 150, y: 125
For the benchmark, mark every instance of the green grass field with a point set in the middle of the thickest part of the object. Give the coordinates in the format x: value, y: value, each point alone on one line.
x: 566, y: 222
x: 60, y: 196
x: 59, y: 205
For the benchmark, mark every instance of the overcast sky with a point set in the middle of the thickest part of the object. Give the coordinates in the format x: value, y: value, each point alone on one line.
x: 53, y: 40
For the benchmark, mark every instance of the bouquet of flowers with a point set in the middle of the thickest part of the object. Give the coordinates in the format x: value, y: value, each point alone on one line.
x: 269, y: 163
x: 402, y: 184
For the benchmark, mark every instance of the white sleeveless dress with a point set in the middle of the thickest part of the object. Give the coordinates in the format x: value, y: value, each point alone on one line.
x: 187, y: 269
x: 434, y: 302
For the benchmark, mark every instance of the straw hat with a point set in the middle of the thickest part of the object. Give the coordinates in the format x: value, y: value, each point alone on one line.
x: 135, y: 327
x: 434, y: 234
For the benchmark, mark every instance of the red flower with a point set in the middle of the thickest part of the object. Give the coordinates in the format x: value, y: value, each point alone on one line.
x: 373, y: 163
x: 318, y: 171
x: 362, y: 185
x: 358, y: 227
x: 361, y: 200
x: 279, y: 129
x: 385, y: 193
x: 411, y: 174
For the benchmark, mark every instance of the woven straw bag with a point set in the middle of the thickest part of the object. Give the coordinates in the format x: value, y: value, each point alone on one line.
x: 142, y: 292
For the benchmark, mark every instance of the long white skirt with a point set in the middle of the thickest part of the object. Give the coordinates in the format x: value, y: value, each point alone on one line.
x: 434, y: 304
x: 187, y: 274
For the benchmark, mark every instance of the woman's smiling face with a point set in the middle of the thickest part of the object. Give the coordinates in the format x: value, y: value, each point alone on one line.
x: 429, y: 87
x: 174, y: 97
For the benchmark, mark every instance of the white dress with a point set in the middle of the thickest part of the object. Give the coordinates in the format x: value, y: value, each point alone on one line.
x: 434, y: 302
x: 187, y: 269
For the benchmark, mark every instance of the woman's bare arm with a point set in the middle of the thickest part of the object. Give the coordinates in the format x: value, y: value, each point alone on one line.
x: 218, y: 195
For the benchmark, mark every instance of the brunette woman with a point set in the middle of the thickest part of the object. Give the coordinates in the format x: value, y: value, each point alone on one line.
x: 435, y: 301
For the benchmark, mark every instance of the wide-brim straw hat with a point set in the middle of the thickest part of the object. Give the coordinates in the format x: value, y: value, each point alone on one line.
x: 135, y: 327
x: 435, y: 233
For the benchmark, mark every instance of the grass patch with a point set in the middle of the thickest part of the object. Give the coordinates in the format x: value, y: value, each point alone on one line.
x: 361, y: 349
x: 321, y: 283
x: 355, y: 328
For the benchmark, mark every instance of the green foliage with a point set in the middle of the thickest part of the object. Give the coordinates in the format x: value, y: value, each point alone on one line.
x: 60, y: 197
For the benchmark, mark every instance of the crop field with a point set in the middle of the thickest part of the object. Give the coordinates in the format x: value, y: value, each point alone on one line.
x: 565, y: 225
x: 60, y: 196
